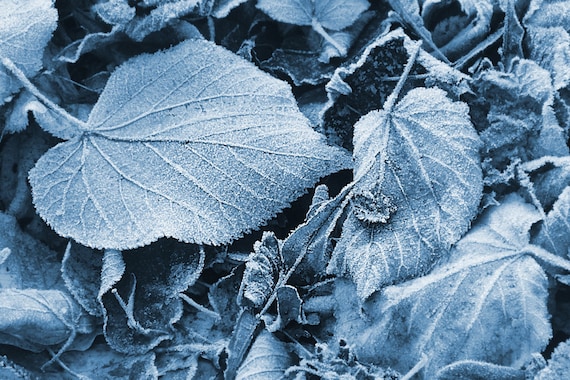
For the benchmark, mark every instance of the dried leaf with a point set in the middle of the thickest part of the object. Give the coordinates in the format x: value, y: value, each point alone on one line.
x: 25, y: 29
x: 223, y: 133
x: 262, y: 271
x: 411, y: 201
x: 488, y: 303
x: 311, y: 240
x: 140, y: 309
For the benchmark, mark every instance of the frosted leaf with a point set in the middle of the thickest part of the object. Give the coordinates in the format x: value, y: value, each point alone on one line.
x: 418, y: 185
x: 332, y: 14
x: 268, y: 358
x: 25, y: 29
x: 192, y: 143
x: 554, y: 233
x: 262, y: 271
x: 154, y: 276
x: 488, y: 303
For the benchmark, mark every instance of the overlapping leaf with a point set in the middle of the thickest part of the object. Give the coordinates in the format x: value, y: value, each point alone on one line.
x: 547, y: 24
x: 558, y: 364
x: 418, y: 185
x: 262, y: 270
x: 554, y: 234
x: 25, y: 29
x: 488, y: 303
x: 155, y: 276
x: 268, y: 358
x: 363, y: 86
x: 192, y: 143
x: 519, y: 122
x: 331, y: 14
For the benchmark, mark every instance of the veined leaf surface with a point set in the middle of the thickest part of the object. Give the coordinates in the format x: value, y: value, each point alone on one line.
x: 488, y: 303
x: 332, y: 14
x: 192, y: 143
x: 25, y: 29
x: 418, y: 185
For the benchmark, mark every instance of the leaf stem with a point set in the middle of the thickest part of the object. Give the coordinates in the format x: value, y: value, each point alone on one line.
x: 547, y: 257
x: 391, y: 101
x: 284, y: 279
x: 317, y: 27
x: 7, y: 62
x: 199, y: 307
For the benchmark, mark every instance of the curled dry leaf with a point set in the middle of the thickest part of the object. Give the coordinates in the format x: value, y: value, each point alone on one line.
x: 262, y: 271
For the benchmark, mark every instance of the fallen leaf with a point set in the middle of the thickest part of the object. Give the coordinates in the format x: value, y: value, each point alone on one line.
x: 488, y: 303
x: 418, y: 185
x: 206, y: 158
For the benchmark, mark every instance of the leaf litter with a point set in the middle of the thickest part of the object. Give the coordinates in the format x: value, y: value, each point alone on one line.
x: 165, y: 230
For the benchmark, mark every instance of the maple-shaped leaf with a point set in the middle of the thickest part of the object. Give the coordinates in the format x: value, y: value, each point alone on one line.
x: 418, y: 185
x: 25, y: 29
x: 488, y: 303
x: 193, y: 143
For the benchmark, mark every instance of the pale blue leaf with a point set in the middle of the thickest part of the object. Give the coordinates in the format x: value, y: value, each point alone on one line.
x: 193, y: 143
x: 331, y: 14
x: 554, y: 233
x: 262, y: 270
x: 81, y: 270
x: 487, y: 303
x: 25, y: 29
x: 418, y: 185
x: 550, y: 48
x: 268, y: 358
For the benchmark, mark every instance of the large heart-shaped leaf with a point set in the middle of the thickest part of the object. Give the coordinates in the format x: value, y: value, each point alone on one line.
x: 193, y: 143
x: 418, y: 185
